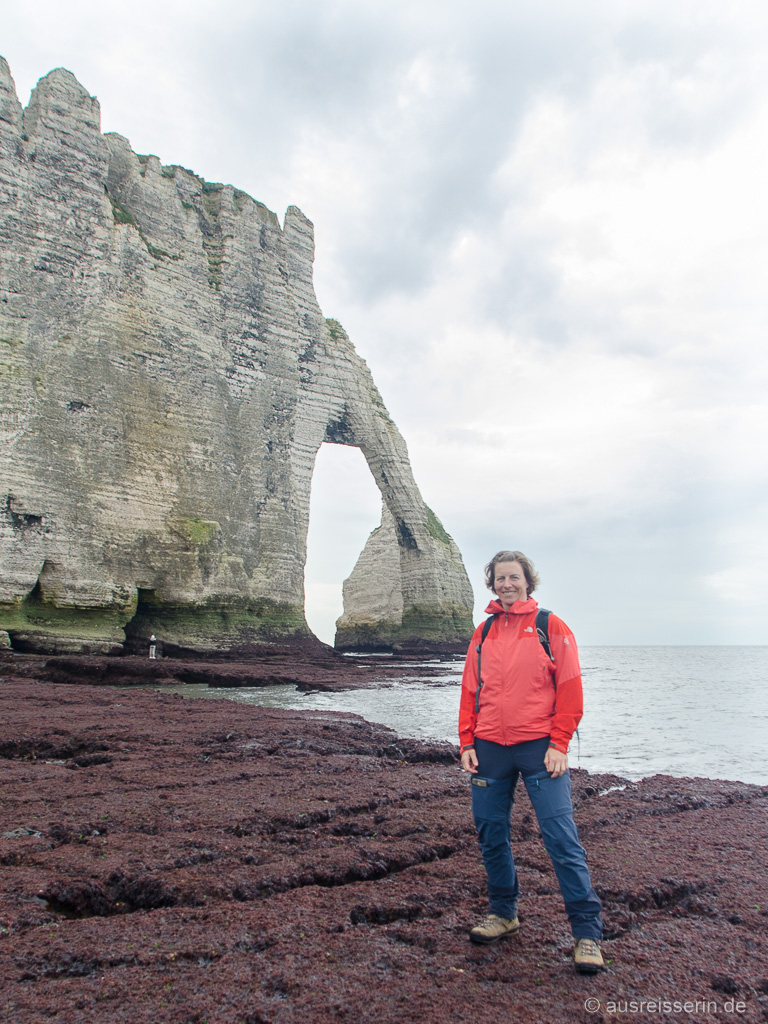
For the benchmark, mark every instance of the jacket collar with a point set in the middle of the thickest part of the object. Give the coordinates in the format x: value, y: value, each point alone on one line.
x: 518, y: 608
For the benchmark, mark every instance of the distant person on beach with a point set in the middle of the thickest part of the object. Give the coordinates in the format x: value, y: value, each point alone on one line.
x: 518, y: 721
x: 153, y: 646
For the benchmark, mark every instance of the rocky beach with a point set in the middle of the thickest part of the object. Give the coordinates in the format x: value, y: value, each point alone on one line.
x: 186, y: 861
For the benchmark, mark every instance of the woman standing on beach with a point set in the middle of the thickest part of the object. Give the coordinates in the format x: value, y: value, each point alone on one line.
x: 518, y: 721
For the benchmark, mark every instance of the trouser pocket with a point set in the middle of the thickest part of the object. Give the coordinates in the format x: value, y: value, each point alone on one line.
x: 550, y: 797
x: 491, y: 799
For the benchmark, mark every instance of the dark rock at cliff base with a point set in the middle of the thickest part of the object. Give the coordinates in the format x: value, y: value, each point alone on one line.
x: 188, y: 861
x: 308, y: 667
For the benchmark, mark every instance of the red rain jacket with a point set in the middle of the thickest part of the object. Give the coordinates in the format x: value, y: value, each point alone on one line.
x: 518, y: 698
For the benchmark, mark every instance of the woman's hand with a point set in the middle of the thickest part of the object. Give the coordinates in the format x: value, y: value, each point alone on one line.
x: 469, y: 761
x: 555, y: 761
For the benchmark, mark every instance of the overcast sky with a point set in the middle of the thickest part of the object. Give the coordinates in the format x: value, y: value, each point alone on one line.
x: 544, y: 226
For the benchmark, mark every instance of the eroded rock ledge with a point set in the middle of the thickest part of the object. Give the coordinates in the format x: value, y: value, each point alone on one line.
x: 180, y: 860
x: 323, y: 669
x: 167, y: 378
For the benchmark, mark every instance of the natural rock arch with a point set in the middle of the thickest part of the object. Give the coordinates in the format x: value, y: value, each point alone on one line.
x: 167, y: 378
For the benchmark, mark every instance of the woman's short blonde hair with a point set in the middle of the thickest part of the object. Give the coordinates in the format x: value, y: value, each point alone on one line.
x: 531, y: 576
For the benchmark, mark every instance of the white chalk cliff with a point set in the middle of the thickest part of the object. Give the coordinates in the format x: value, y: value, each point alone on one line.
x: 166, y: 380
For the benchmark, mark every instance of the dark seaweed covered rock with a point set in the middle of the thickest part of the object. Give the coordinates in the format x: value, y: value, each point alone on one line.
x: 176, y: 861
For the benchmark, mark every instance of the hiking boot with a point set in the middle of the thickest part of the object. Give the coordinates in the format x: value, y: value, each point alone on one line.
x: 494, y: 927
x: 587, y: 956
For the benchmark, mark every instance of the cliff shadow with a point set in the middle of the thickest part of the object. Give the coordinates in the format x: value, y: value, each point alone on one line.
x: 139, y: 629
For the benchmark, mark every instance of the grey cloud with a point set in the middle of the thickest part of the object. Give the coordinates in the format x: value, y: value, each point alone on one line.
x: 630, y: 576
x: 336, y: 70
x: 274, y: 76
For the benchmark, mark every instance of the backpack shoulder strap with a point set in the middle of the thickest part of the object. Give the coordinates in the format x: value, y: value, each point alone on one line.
x: 486, y: 627
x: 542, y: 629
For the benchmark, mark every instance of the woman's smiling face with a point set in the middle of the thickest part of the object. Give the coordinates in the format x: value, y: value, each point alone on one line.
x: 509, y: 583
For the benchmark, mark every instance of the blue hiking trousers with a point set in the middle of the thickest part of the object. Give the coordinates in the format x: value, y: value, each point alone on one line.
x: 493, y: 793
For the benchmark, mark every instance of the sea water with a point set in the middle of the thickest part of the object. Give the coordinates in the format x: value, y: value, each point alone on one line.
x: 683, y: 711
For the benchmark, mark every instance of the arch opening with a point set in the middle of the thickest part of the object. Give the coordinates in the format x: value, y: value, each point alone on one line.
x: 344, y: 508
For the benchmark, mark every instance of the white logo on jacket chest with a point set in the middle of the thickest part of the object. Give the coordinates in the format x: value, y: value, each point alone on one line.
x: 528, y: 629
